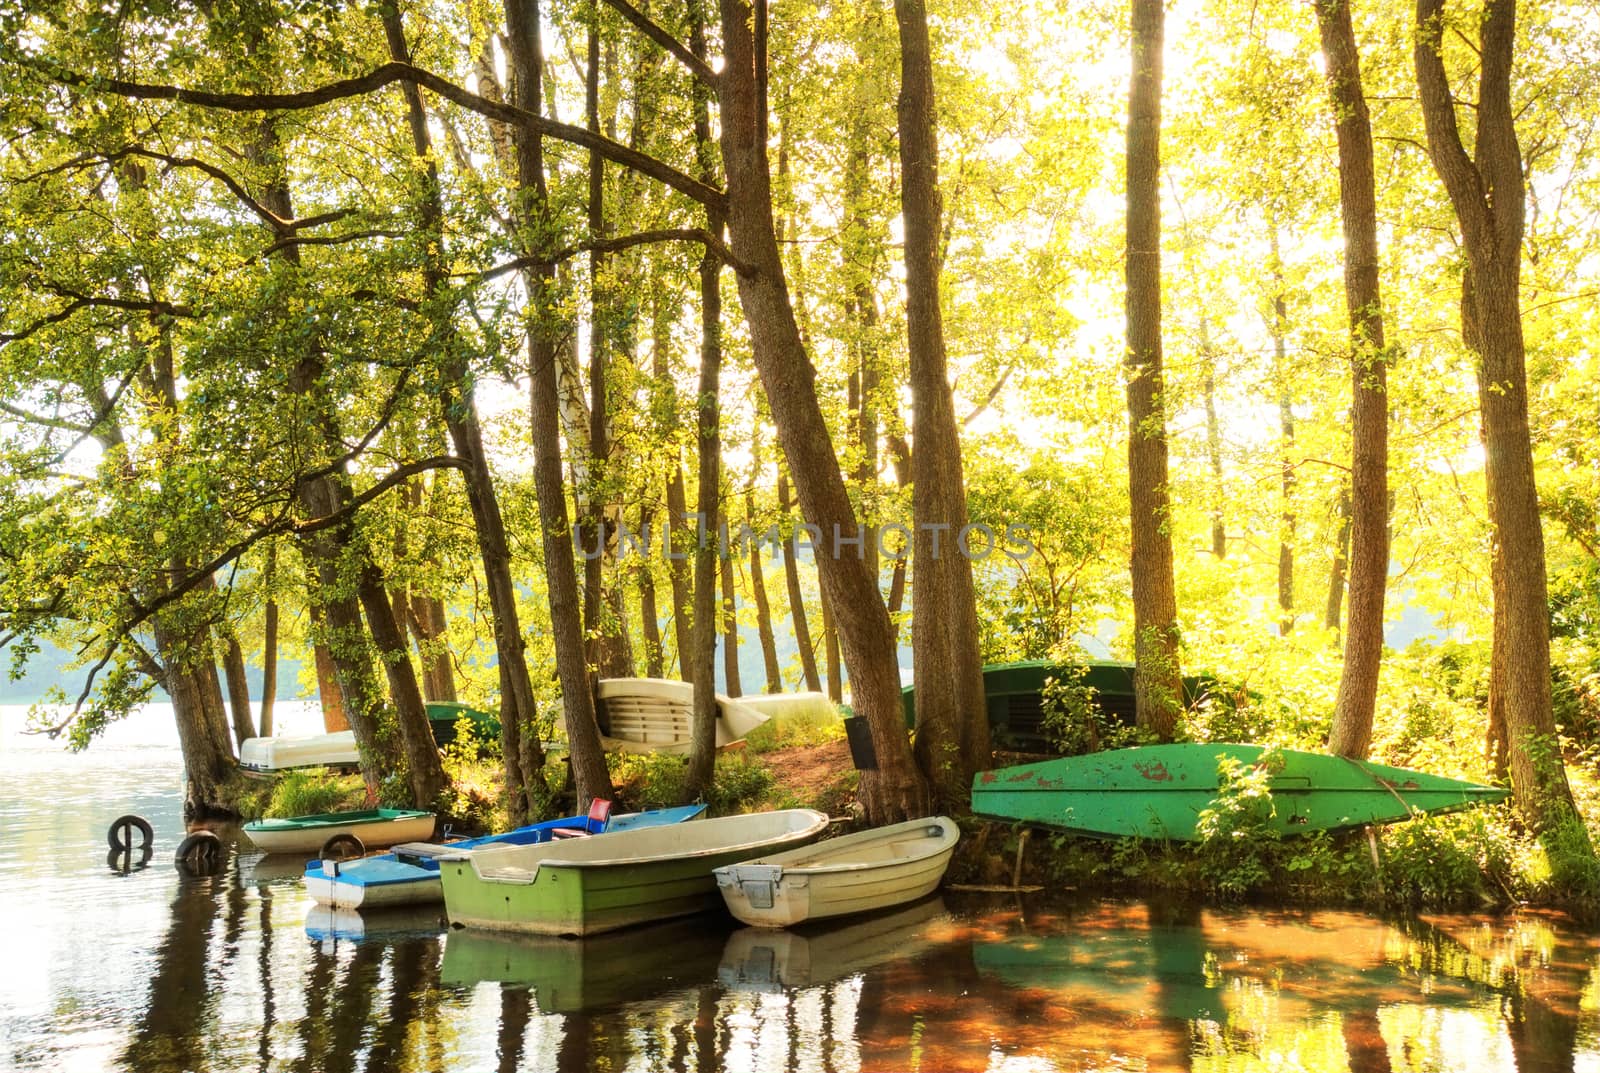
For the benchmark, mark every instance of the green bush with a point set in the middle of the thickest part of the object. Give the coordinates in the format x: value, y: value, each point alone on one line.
x: 1238, y: 843
x: 305, y: 793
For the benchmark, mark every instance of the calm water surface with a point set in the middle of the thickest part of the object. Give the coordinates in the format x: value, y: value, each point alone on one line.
x: 154, y: 972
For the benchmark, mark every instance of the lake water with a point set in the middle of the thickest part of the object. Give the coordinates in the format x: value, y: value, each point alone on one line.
x: 155, y: 972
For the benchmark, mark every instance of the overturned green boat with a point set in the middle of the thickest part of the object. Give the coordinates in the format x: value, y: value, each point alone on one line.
x: 1159, y: 791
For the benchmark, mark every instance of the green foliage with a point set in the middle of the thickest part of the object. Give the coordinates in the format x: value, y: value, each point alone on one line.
x: 1075, y: 722
x: 1237, y: 840
x: 656, y: 780
x: 306, y: 793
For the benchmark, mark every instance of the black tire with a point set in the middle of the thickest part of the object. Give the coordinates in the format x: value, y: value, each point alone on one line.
x: 120, y: 835
x: 122, y: 861
x: 201, y: 853
x: 343, y: 847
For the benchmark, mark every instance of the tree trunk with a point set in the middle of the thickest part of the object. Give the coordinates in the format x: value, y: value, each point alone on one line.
x: 1369, y: 482
x: 649, y: 614
x: 797, y: 602
x: 1332, y: 616
x: 523, y: 756
x: 329, y: 689
x: 730, y: 627
x: 952, y: 719
x: 830, y: 649
x: 758, y: 593
x: 1208, y: 387
x: 673, y: 545
x: 1158, y: 687
x: 708, y: 427
x: 589, y: 770
x: 269, y: 661
x: 895, y: 790
x: 238, y: 689
x: 208, y: 760
x: 1487, y: 195
x: 1286, y: 472
x: 423, y: 767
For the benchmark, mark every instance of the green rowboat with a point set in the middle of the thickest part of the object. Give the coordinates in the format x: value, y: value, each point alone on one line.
x: 374, y: 826
x: 584, y: 886
x: 1159, y: 791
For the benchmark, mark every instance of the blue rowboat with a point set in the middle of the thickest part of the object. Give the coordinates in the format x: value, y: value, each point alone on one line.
x: 410, y: 874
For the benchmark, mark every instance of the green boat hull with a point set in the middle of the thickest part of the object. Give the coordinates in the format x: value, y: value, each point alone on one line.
x: 650, y: 875
x: 1159, y: 791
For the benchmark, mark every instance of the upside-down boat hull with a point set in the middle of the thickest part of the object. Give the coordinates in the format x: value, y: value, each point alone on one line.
x: 1159, y: 791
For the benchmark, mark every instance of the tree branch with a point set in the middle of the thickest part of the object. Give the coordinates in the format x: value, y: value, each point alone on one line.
x: 621, y: 242
x: 697, y: 67
x: 1456, y: 170
x: 387, y: 74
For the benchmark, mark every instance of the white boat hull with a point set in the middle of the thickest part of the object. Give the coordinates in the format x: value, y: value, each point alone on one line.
x: 280, y: 754
x: 656, y: 715
x: 859, y: 873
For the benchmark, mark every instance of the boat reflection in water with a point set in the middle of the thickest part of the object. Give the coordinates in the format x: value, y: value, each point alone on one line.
x: 779, y: 960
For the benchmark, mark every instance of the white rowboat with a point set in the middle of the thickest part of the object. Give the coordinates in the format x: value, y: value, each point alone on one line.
x: 858, y: 873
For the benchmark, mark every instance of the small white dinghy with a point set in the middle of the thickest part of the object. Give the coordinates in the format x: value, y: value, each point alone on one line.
x: 858, y: 873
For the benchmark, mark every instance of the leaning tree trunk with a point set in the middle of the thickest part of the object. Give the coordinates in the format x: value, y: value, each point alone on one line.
x: 797, y: 601
x: 649, y: 614
x: 758, y: 593
x: 1158, y: 687
x: 1369, y: 481
x: 589, y: 770
x: 952, y: 718
x: 895, y: 789
x: 1487, y: 195
x: 269, y: 663
x: 238, y: 679
x: 523, y: 756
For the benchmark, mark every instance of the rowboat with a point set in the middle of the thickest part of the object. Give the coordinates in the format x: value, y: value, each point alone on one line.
x: 307, y: 834
x: 602, y: 971
x: 410, y: 874
x: 281, y: 754
x: 1159, y: 791
x: 338, y: 749
x: 589, y: 885
x: 772, y: 960
x: 656, y: 715
x: 859, y: 873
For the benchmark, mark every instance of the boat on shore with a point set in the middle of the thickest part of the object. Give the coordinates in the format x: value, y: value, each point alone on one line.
x: 375, y: 827
x: 656, y: 715
x: 590, y: 885
x: 272, y: 755
x: 1159, y: 791
x: 858, y: 873
x: 409, y: 875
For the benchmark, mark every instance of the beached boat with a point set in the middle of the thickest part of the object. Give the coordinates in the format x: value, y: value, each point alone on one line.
x: 859, y: 873
x: 589, y: 885
x: 410, y: 874
x: 318, y: 750
x: 656, y: 715
x: 375, y: 827
x: 1158, y: 791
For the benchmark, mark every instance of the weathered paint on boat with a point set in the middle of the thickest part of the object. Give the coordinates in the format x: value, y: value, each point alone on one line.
x: 412, y: 878
x: 1158, y: 791
x: 590, y: 885
x: 374, y: 826
x: 858, y: 873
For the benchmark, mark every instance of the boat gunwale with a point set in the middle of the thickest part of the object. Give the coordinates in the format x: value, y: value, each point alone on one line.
x: 949, y: 830
x: 531, y: 875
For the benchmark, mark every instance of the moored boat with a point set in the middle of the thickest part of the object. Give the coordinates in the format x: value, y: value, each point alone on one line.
x: 410, y: 874
x: 858, y: 873
x: 375, y: 827
x: 1159, y: 791
x: 590, y: 885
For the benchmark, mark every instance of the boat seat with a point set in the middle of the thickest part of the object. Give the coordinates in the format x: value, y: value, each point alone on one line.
x: 425, y: 849
x: 599, y: 816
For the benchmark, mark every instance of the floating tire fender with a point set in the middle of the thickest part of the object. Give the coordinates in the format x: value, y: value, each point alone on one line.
x: 199, y: 853
x: 343, y: 847
x: 120, y: 834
